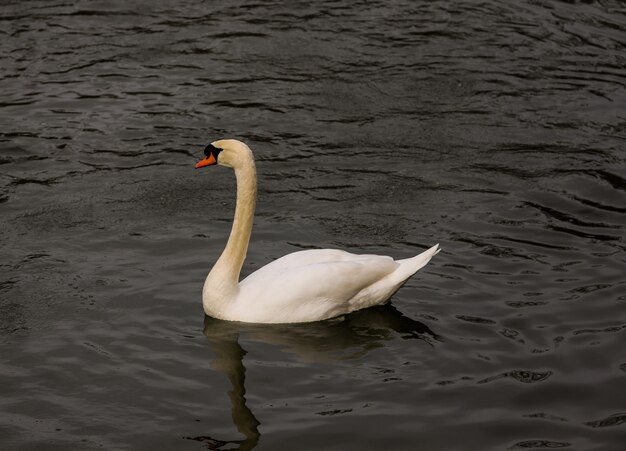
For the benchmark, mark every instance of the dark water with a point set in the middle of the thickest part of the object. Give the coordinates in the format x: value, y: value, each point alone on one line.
x: 495, y: 129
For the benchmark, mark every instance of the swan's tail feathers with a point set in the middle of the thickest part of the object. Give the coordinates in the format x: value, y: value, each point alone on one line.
x: 411, y: 265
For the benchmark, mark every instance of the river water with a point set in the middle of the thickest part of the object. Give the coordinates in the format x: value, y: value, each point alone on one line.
x: 497, y: 129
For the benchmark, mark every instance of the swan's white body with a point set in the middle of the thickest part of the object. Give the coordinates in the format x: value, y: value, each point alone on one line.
x: 305, y: 286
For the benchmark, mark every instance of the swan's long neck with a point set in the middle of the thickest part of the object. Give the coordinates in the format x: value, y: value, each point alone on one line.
x: 223, y: 281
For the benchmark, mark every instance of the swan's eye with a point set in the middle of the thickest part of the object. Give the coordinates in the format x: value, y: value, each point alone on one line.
x: 212, y: 150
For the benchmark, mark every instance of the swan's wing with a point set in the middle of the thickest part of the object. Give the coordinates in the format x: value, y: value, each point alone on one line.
x: 310, y: 284
x: 306, y: 257
x: 327, y: 264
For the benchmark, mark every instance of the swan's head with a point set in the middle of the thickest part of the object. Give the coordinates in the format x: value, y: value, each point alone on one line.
x: 226, y: 152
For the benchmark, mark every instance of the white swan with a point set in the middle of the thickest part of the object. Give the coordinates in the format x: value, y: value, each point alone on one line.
x: 305, y: 286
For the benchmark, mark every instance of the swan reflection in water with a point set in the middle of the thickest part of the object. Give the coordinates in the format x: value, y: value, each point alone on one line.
x: 343, y: 338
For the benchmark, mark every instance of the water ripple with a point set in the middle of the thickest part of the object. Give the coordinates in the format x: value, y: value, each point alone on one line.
x: 494, y: 129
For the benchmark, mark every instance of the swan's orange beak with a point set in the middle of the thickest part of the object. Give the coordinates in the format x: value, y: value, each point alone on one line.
x: 208, y: 161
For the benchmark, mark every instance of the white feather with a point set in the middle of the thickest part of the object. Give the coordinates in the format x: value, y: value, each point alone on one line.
x: 304, y: 286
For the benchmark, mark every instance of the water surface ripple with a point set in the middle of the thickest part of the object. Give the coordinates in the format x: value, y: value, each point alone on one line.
x: 496, y: 129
